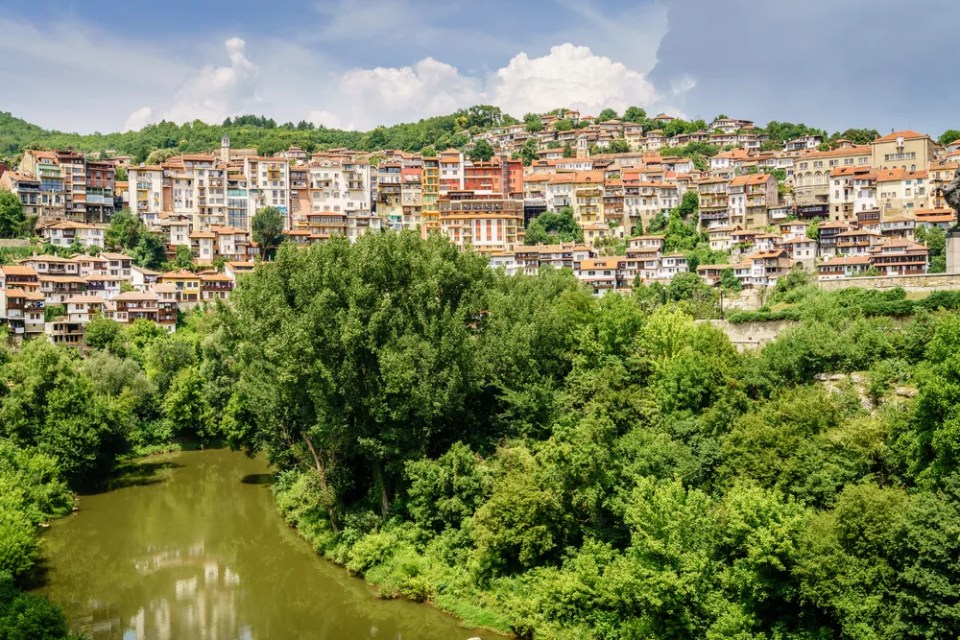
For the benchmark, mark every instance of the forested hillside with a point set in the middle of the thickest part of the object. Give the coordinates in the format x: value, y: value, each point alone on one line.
x: 263, y: 134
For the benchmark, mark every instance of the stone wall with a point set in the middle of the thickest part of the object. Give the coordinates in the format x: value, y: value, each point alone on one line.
x: 753, y: 335
x: 926, y: 282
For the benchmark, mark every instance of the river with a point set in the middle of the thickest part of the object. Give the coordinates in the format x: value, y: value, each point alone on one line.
x: 196, y: 550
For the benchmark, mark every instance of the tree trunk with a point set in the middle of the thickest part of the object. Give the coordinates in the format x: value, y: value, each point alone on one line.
x: 380, y: 481
x: 322, y: 473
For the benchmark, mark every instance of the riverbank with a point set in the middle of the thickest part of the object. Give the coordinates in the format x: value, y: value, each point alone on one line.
x: 192, y: 546
x: 399, y: 563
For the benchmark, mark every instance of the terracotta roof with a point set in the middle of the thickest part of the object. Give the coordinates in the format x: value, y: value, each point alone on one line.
x: 865, y: 171
x: 16, y: 270
x: 601, y: 263
x: 905, y: 134
x: 750, y: 179
x: 895, y: 175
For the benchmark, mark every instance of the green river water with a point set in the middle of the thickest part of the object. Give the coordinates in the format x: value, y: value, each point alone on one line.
x: 197, y: 551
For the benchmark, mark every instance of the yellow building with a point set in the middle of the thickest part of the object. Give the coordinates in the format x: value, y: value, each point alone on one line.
x: 588, y: 190
x: 904, y: 150
x: 430, y: 213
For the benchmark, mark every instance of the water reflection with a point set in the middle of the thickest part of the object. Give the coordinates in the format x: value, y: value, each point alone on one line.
x: 203, y: 555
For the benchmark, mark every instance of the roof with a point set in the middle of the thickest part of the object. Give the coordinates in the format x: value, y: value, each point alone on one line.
x: 115, y: 256
x: 179, y: 274
x: 895, y: 175
x: 865, y: 170
x: 601, y: 263
x: 134, y: 296
x: 16, y: 270
x: 750, y: 179
x: 85, y: 299
x: 906, y: 134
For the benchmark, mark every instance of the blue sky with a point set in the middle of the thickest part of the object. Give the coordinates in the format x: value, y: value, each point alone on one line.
x: 96, y: 65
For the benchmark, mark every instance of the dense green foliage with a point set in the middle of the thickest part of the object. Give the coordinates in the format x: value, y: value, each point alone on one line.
x: 935, y: 239
x: 562, y: 466
x: 130, y: 235
x: 263, y: 134
x: 13, y: 222
x: 553, y: 227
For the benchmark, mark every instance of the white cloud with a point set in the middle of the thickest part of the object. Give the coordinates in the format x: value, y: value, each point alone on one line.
x: 385, y: 95
x: 569, y: 76
x: 212, y: 93
x: 324, y: 118
x: 139, y: 119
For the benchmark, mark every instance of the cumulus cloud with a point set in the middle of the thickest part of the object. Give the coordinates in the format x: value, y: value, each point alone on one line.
x: 210, y: 94
x: 385, y: 95
x: 216, y: 92
x: 570, y: 76
x: 138, y: 119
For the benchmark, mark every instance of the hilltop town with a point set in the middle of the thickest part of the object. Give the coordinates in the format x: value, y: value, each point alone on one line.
x: 641, y: 200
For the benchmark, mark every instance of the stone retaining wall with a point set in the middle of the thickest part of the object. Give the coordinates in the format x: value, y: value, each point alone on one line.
x: 753, y: 335
x: 926, y: 282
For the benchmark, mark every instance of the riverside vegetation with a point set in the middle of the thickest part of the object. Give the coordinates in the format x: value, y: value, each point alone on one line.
x: 532, y: 458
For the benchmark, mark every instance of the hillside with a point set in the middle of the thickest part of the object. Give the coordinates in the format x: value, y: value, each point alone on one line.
x: 258, y: 132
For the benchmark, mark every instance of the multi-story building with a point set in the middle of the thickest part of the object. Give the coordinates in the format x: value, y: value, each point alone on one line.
x: 100, y: 183
x: 588, y: 197
x: 74, y: 184
x: 451, y: 171
x: 22, y: 313
x: 600, y: 274
x: 43, y: 166
x: 430, y: 212
x: 66, y: 233
x: 27, y: 190
x: 390, y: 193
x: 899, y: 258
x: 904, y: 150
x: 14, y: 276
x: 145, y: 188
x: 483, y: 224
x: 902, y: 191
x: 811, y: 173
x: 268, y: 181
x: 749, y: 196
x: 714, y: 202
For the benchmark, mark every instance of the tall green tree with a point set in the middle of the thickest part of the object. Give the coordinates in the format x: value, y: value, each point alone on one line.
x: 12, y: 219
x: 267, y: 226
x: 481, y: 151
x: 554, y: 227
